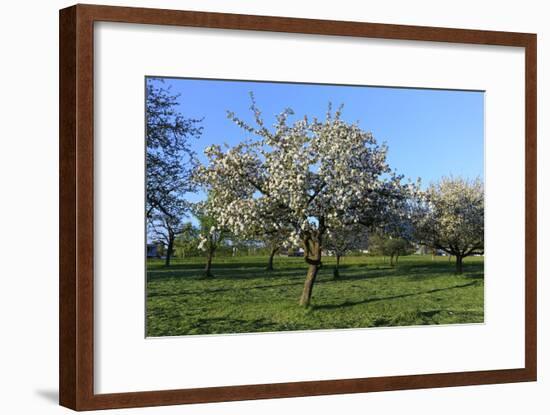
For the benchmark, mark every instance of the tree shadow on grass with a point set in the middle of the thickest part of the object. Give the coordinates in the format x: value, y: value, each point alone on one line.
x: 230, y: 263
x: 231, y: 273
x: 393, y: 297
x: 219, y: 290
x: 414, y: 271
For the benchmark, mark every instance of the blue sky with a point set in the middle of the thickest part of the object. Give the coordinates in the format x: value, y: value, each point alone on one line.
x: 430, y: 133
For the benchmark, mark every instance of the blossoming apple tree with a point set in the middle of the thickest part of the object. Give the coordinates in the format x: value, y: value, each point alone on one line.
x: 309, y: 176
x: 450, y: 217
x: 274, y: 239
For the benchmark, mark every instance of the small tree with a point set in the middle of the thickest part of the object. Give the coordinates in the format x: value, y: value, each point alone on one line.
x: 398, y: 247
x: 187, y: 240
x: 274, y: 234
x: 340, y: 241
x: 274, y: 242
x: 165, y: 228
x: 392, y: 247
x: 450, y: 217
x: 160, y: 248
x: 211, y: 237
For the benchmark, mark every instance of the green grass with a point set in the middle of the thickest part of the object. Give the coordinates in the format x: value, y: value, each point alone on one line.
x: 244, y: 298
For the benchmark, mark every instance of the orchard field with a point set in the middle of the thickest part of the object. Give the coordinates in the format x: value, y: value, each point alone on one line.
x: 243, y: 297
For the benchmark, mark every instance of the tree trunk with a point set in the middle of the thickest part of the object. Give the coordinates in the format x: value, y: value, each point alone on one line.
x: 271, y: 255
x: 308, y: 285
x: 336, y: 272
x: 391, y: 260
x: 169, y: 251
x: 208, y: 267
x: 458, y: 264
x: 396, y: 259
x: 314, y: 264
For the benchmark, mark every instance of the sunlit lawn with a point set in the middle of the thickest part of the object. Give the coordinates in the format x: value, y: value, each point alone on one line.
x: 243, y: 297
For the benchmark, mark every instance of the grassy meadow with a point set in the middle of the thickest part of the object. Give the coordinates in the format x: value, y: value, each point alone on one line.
x: 243, y: 297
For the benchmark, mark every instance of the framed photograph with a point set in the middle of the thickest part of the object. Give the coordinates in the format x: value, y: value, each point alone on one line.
x: 259, y: 207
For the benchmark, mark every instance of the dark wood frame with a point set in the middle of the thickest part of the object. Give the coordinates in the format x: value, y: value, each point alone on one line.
x: 76, y: 153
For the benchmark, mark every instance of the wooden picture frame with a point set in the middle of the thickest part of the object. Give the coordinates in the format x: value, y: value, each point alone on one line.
x: 76, y: 278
